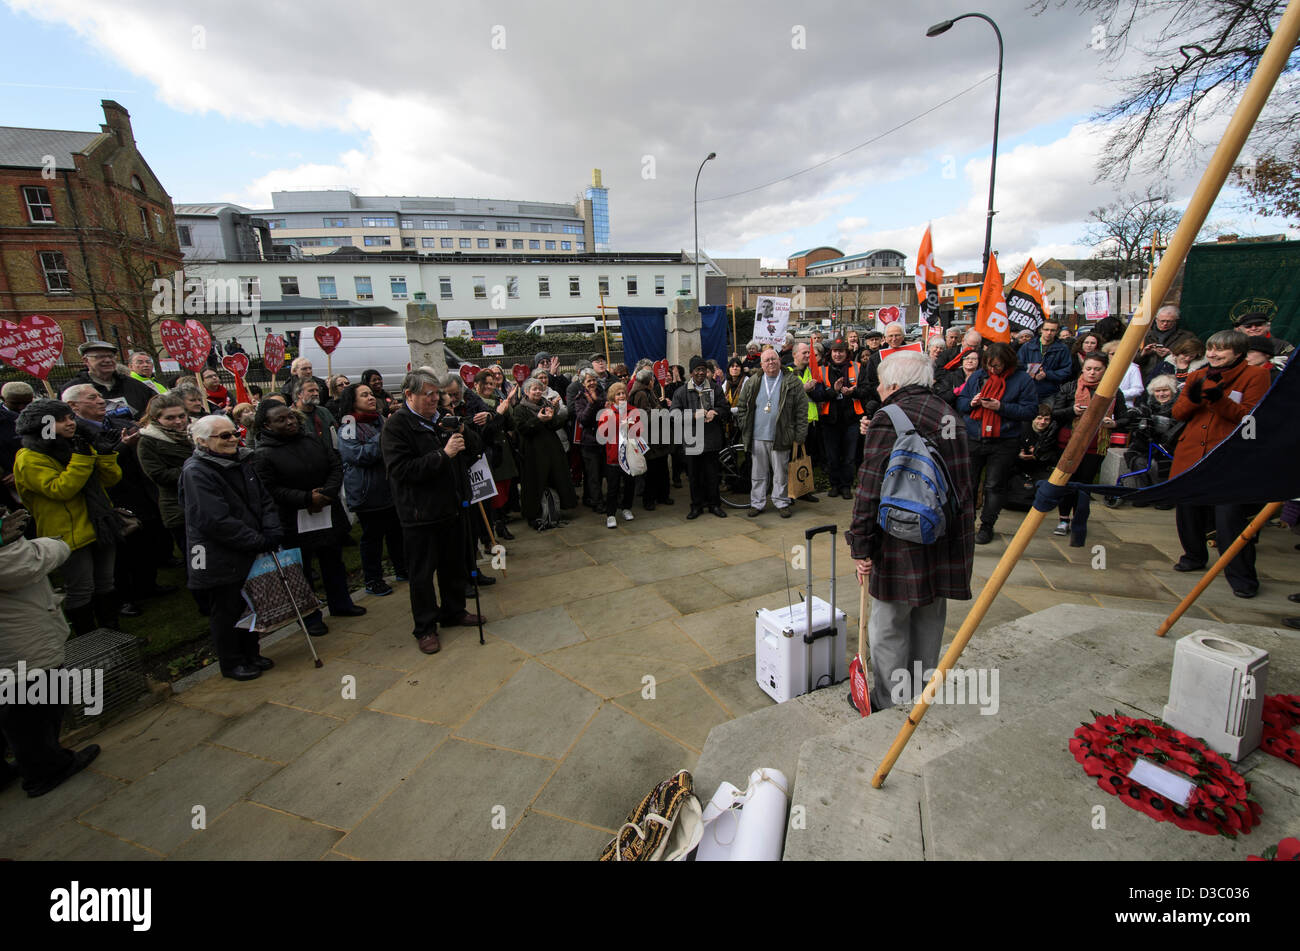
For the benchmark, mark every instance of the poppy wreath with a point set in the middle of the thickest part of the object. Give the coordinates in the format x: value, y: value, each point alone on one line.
x: 1288, y: 850
x: 1221, y: 804
x: 1280, y: 737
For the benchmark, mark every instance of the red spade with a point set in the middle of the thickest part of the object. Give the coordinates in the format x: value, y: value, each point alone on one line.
x: 328, y: 338
x: 661, y: 371
x: 887, y: 315
x: 519, y: 372
x: 32, y: 345
x: 236, y: 363
x: 468, y: 371
x: 188, y: 343
x: 273, y: 352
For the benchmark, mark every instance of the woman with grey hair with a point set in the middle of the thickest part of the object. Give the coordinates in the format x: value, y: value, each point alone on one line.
x: 230, y: 518
x: 645, y: 396
x: 193, y: 398
x: 538, y: 423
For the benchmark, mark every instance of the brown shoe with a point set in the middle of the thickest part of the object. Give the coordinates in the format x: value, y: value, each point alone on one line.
x: 430, y: 644
x: 465, y: 619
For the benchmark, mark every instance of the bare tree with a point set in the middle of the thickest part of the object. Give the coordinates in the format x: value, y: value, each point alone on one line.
x: 1203, y: 52
x: 1121, y: 231
x: 1272, y: 184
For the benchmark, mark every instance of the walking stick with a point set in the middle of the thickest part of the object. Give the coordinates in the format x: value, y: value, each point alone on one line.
x: 294, y: 601
x: 473, y: 570
x: 1226, y: 556
x: 1216, y: 173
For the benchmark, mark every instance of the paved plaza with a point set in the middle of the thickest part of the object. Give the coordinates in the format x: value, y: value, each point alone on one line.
x: 610, y: 657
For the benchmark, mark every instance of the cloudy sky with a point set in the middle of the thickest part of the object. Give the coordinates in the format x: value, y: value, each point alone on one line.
x: 232, y: 100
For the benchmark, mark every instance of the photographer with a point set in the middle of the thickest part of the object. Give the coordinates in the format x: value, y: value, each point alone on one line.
x: 423, y: 453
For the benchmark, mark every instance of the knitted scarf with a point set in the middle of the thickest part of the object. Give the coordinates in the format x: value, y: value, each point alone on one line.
x: 990, y: 420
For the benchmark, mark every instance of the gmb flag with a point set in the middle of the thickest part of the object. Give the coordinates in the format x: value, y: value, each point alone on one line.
x: 928, y: 279
x: 991, y: 318
x: 1026, y: 307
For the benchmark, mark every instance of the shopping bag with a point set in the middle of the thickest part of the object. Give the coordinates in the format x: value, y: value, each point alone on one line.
x: 800, y: 472
x: 265, y: 594
x: 631, y: 448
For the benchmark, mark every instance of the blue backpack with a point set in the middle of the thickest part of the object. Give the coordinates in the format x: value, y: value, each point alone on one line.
x: 916, y: 498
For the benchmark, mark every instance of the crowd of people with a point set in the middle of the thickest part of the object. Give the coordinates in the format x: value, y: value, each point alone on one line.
x: 126, y: 472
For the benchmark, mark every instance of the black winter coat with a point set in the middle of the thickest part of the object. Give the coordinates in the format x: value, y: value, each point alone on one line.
x: 136, y: 394
x: 689, y: 401
x: 162, y: 459
x: 290, y: 468
x: 427, y: 483
x: 229, y: 513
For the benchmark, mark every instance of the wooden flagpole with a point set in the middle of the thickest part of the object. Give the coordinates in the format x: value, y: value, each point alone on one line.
x: 1216, y: 173
x: 604, y: 329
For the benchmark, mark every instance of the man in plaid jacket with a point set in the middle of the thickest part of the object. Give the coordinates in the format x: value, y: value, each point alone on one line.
x: 910, y: 583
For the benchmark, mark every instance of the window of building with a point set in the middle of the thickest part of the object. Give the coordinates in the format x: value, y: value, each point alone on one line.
x: 408, y: 242
x: 435, y: 224
x: 39, y: 208
x: 183, y: 233
x: 686, y: 282
x: 445, y: 242
x: 500, y: 244
x: 328, y: 289
x: 507, y: 226
x: 378, y: 222
x: 480, y: 287
x: 512, y: 287
x: 534, y: 244
x: 575, y: 286
x: 573, y: 229
x: 429, y: 242
x: 659, y: 285
x: 289, y: 287
x: 582, y: 246
x: 603, y: 283
x: 472, y: 226
x: 329, y: 222
x: 144, y: 222
x: 365, y: 289
x: 89, y: 330
x: 550, y: 245
x: 484, y: 243
x: 543, y: 287
x: 408, y: 223
x: 158, y: 223
x: 542, y: 228
x: 397, y: 286
x: 377, y: 241
x: 273, y: 223
x: 467, y: 242
x: 444, y: 287
x: 566, y: 245
x: 631, y: 285
x: 250, y: 289
x: 136, y: 183
x: 517, y: 244
x: 56, y: 272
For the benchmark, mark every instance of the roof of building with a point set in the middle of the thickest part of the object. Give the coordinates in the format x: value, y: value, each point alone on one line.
x: 28, y: 148
x: 857, y: 257
x: 807, y: 251
x: 207, y: 210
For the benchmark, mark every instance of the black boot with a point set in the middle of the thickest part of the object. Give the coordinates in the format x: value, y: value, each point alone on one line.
x: 81, y: 620
x: 499, y: 528
x: 106, y: 610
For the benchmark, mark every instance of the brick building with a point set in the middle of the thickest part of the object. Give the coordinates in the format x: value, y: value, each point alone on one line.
x: 85, y: 227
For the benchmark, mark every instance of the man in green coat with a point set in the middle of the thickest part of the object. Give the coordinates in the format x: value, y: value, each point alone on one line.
x: 773, y: 417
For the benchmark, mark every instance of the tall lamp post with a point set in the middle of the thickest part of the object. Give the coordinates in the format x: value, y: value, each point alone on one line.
x: 943, y: 27
x: 699, y: 297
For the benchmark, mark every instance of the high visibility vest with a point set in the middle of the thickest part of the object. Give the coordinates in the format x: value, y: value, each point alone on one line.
x: 157, y: 386
x: 812, y: 407
x: 853, y: 381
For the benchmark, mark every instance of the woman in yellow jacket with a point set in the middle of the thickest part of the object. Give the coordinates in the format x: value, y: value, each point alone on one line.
x: 61, y: 479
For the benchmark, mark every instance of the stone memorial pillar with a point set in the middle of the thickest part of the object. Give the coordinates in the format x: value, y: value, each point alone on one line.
x: 424, y: 334
x: 683, y: 331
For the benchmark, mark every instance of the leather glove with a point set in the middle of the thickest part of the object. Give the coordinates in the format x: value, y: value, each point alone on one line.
x: 105, y: 442
x: 271, y: 542
x: 81, y: 446
x: 1193, y: 390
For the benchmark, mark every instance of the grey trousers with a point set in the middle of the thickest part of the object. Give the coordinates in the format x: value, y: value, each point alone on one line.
x: 769, y: 465
x: 899, y: 637
x: 88, y: 572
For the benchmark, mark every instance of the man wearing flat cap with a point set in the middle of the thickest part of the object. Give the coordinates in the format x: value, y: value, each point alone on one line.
x: 113, y: 382
x: 1258, y: 324
x: 702, y: 399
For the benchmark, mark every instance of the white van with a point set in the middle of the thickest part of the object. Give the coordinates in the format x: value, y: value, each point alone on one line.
x: 382, y: 348
x: 574, y: 325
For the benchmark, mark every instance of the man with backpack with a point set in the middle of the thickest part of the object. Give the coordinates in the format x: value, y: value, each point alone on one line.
x: 913, y: 531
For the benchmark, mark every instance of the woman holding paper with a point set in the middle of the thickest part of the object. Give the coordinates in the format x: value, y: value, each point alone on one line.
x: 305, y: 480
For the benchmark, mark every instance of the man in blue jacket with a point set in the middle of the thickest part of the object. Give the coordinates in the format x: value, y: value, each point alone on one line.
x: 1047, y: 360
x: 997, y: 401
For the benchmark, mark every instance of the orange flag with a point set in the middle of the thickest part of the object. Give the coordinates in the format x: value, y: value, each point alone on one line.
x: 928, y: 279
x: 991, y: 318
x: 1026, y: 305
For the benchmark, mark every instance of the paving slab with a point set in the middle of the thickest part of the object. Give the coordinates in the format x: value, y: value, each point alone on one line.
x: 458, y: 805
x: 616, y: 546
x: 248, y: 832
x: 760, y: 576
x: 158, y: 810
x: 538, y: 631
x: 534, y: 594
x: 71, y: 841
x: 274, y: 732
x: 726, y: 632
x: 611, y: 612
x: 611, y: 768
x: 1120, y: 582
x: 449, y: 686
x: 619, y: 664
x: 138, y: 746
x: 769, y: 739
x: 734, y: 686
x: 541, y: 838
x: 737, y: 549
x: 27, y: 820
x: 522, y: 568
x: 649, y: 567
x: 351, y: 769
x: 684, y: 534
x: 536, y: 711
x: 680, y: 707
x: 690, y: 593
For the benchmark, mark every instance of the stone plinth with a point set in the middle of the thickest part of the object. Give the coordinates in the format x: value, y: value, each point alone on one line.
x: 683, y: 331
x: 424, y: 335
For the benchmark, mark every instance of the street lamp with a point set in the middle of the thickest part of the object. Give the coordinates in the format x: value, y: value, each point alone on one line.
x: 943, y: 27
x: 699, y: 298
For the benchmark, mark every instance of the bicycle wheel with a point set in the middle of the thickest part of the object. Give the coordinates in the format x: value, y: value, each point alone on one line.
x: 734, y: 490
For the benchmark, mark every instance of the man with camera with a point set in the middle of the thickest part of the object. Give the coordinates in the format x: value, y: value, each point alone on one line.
x: 428, y: 452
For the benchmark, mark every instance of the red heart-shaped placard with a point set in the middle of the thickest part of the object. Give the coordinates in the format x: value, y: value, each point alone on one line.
x: 236, y: 363
x: 887, y: 315
x: 188, y: 343
x: 468, y: 371
x: 328, y: 337
x: 273, y: 352
x: 33, y: 345
x: 519, y: 372
x: 661, y: 371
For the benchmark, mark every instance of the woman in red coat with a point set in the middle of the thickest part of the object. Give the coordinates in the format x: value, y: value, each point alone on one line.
x: 1215, y: 400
